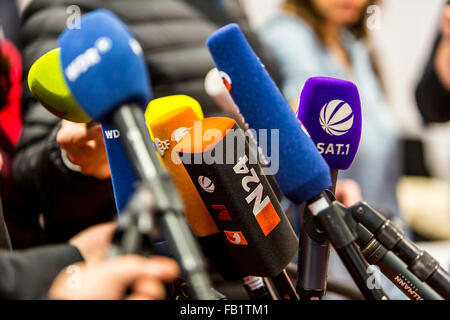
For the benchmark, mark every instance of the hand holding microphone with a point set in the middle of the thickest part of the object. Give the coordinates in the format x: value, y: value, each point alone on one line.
x: 80, y: 141
x: 84, y: 147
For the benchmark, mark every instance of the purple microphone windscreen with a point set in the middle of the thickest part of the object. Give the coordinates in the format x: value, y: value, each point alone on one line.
x: 330, y: 109
x: 299, y: 169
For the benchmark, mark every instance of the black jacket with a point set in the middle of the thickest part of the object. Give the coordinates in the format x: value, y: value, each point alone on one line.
x: 172, y: 34
x: 432, y: 98
x: 29, y: 274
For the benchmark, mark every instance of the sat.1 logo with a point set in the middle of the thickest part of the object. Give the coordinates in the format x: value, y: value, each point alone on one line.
x: 336, y: 117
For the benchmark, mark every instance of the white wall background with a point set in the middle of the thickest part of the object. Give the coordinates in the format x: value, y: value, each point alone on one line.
x: 401, y: 42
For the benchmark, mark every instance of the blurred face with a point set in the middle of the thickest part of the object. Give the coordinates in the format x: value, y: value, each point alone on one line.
x: 342, y: 12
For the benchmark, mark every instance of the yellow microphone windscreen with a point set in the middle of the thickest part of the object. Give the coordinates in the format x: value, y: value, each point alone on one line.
x: 167, y: 129
x: 161, y: 106
x: 47, y: 84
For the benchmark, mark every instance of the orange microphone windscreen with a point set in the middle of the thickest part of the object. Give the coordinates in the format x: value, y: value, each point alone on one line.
x: 167, y: 130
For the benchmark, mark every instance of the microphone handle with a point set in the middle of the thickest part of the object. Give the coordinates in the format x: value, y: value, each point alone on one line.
x: 393, y: 268
x: 129, y: 120
x: 313, y: 253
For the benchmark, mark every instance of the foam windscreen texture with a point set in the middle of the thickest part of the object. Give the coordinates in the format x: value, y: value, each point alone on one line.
x: 330, y: 109
x: 103, y: 65
x: 239, y: 198
x: 161, y: 106
x: 302, y: 171
x: 47, y: 84
x: 167, y: 128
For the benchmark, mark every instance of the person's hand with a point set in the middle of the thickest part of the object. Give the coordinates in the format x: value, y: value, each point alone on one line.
x: 442, y: 57
x: 94, y: 242
x: 111, y: 279
x: 85, y: 148
x: 348, y: 192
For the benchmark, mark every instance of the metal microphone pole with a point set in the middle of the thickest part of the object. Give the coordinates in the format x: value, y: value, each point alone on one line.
x: 340, y: 229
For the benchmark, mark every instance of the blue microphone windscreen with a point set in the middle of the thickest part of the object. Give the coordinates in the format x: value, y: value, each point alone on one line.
x: 103, y: 65
x: 122, y: 175
x: 302, y: 171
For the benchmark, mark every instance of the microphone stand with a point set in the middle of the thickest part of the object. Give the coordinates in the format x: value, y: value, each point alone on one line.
x: 418, y: 261
x: 135, y: 226
x: 341, y: 232
x: 393, y: 267
x: 383, y: 244
x: 167, y: 210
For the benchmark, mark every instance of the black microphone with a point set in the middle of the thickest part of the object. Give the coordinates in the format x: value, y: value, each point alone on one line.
x: 228, y: 177
x: 168, y: 119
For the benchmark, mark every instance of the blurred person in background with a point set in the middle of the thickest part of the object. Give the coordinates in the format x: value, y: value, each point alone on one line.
x: 10, y: 21
x: 172, y: 34
x: 433, y: 89
x: 312, y: 38
x: 10, y: 109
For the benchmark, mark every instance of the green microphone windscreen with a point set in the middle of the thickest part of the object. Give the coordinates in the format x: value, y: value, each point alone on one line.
x: 47, y: 84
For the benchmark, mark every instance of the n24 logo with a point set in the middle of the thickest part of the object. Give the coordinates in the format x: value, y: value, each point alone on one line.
x: 263, y: 210
x: 257, y: 193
